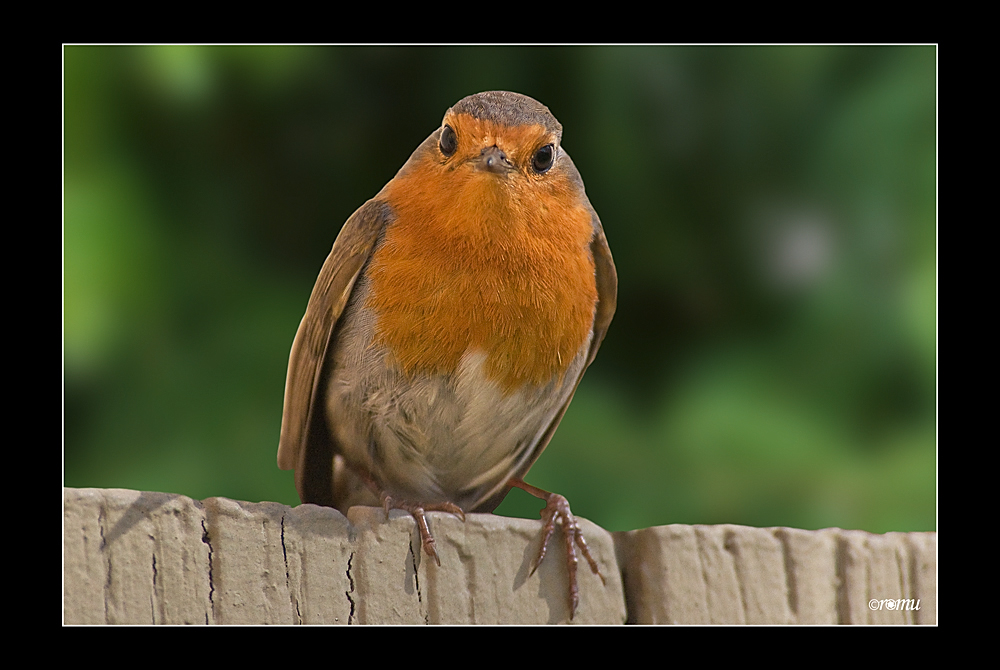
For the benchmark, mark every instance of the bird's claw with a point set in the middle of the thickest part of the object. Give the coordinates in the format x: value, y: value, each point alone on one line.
x: 417, y: 510
x: 557, y: 511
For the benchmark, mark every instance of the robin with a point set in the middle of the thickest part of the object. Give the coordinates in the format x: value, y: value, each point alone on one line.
x: 450, y: 326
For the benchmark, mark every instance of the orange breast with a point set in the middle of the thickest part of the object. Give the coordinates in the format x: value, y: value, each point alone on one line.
x: 475, y: 261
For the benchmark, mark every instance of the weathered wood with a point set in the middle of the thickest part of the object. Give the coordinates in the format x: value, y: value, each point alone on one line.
x: 146, y: 558
x: 736, y: 574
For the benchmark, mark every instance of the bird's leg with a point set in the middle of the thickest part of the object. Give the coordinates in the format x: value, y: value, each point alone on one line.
x: 557, y: 510
x: 418, y: 510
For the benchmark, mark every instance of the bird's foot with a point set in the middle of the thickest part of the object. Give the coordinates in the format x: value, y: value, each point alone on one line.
x: 418, y: 510
x: 557, y: 511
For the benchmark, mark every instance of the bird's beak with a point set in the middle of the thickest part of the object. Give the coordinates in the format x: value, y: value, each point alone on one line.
x: 492, y: 159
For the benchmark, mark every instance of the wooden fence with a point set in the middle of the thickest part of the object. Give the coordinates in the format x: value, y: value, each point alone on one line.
x: 155, y: 558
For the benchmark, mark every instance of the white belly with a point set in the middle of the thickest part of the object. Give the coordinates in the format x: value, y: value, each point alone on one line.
x: 432, y: 438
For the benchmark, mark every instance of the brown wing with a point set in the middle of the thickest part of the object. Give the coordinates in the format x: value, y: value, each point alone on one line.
x: 305, y: 444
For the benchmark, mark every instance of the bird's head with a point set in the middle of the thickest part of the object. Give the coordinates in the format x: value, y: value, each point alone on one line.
x: 496, y: 162
x: 505, y: 134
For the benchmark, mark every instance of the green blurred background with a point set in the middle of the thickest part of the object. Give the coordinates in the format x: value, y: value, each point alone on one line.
x: 771, y: 210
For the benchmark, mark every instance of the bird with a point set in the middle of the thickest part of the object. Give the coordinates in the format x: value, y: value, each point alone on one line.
x: 450, y: 326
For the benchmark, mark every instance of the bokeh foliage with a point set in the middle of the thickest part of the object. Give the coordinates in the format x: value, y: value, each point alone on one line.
x: 771, y: 210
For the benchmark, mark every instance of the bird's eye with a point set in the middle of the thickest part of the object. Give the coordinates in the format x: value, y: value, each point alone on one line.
x: 543, y: 158
x: 449, y: 141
